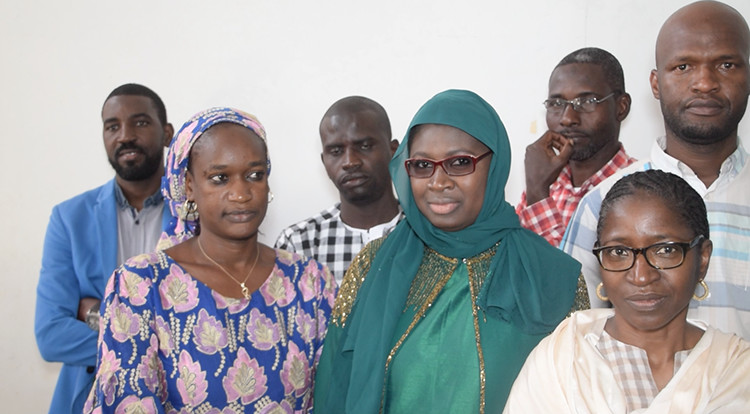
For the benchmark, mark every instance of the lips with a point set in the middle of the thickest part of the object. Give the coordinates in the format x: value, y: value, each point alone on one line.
x: 353, y: 180
x: 240, y: 216
x: 574, y: 136
x: 645, y: 301
x: 442, y: 207
x: 128, y: 152
x: 704, y: 107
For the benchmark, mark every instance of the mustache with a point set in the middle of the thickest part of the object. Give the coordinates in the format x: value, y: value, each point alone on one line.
x: 127, y: 146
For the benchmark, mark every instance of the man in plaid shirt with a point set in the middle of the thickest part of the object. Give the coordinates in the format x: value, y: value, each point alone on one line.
x: 586, y: 104
x: 356, y: 136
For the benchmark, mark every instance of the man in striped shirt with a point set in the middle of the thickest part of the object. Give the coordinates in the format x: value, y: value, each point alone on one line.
x: 702, y: 81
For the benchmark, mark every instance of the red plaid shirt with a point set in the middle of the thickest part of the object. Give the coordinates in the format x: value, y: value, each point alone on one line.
x: 549, y: 217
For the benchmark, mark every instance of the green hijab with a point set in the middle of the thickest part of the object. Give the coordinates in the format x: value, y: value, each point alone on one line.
x: 530, y: 285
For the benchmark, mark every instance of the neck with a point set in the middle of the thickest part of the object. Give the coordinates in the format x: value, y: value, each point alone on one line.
x: 366, y: 216
x: 235, y: 255
x: 659, y: 344
x: 704, y: 160
x: 136, y: 192
x: 580, y: 171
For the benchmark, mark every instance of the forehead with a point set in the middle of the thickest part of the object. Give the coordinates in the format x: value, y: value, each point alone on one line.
x: 700, y: 39
x: 349, y: 126
x: 577, y: 79
x: 437, y: 141
x: 643, y: 213
x: 227, y: 138
x: 125, y: 106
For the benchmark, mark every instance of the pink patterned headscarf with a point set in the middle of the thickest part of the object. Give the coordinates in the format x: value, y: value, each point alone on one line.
x: 173, y: 183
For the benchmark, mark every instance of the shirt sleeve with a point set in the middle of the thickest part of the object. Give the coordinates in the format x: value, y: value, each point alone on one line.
x: 284, y: 241
x: 543, y: 218
x: 579, y: 240
x: 130, y: 375
x: 61, y: 337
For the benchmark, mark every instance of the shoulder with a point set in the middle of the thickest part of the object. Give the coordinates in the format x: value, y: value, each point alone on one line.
x: 308, y: 272
x: 353, y: 279
x: 313, y: 223
x: 88, y: 197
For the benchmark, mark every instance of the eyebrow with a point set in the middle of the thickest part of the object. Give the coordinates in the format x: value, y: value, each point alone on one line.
x: 219, y: 167
x: 454, y: 153
x: 138, y: 115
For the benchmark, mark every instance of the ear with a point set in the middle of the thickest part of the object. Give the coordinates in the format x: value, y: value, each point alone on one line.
x: 189, y: 185
x: 654, y: 80
x: 623, y: 106
x: 707, y: 248
x: 394, y: 146
x: 168, y: 133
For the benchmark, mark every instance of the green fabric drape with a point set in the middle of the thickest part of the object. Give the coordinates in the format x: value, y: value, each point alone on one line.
x: 531, y: 285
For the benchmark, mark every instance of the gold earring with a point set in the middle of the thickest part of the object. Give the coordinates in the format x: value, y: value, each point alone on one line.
x: 189, y: 211
x: 270, y: 196
x: 705, y: 292
x: 599, y: 292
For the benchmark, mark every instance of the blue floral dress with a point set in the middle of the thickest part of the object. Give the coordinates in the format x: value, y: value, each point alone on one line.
x: 170, y: 344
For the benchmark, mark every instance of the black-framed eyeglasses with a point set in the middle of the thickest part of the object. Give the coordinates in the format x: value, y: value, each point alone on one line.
x: 588, y: 104
x: 667, y: 255
x: 455, y: 166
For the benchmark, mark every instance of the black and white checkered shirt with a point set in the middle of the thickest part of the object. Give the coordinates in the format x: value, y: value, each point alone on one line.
x: 325, y: 238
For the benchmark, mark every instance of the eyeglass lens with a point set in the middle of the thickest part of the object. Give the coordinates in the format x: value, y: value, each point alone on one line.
x: 660, y: 256
x: 455, y: 166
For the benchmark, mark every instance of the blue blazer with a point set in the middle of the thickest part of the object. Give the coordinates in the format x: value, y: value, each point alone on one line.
x: 79, y: 256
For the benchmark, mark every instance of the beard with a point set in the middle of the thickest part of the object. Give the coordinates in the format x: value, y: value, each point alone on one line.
x: 702, y: 133
x: 584, y: 153
x: 133, y: 171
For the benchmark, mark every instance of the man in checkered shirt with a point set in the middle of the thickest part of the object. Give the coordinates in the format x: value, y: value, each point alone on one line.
x: 586, y: 104
x: 356, y: 136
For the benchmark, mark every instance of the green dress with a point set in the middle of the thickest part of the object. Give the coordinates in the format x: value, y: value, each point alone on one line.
x: 447, y: 355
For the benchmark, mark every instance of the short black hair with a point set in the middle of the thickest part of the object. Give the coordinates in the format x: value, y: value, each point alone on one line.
x: 675, y: 191
x: 140, y: 90
x: 354, y: 104
x: 605, y: 60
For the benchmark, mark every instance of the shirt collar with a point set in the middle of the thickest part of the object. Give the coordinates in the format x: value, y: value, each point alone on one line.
x: 730, y: 167
x: 153, y: 200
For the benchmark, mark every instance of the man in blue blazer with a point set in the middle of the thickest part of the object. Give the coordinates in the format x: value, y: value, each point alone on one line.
x: 91, y: 234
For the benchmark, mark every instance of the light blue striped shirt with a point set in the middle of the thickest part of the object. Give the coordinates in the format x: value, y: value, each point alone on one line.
x: 728, y: 205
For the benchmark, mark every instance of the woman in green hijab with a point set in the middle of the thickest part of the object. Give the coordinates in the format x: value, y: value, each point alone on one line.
x: 440, y: 315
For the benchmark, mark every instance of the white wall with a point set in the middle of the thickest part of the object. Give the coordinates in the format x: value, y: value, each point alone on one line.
x: 285, y: 61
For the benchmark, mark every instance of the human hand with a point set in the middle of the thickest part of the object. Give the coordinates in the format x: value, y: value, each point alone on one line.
x: 545, y: 158
x: 84, y: 305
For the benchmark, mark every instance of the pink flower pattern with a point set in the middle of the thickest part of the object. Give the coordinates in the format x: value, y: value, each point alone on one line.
x: 171, y: 343
x: 191, y: 383
x: 209, y: 334
x: 295, y: 374
x: 179, y: 290
x: 261, y: 331
x: 246, y: 379
x: 278, y: 289
x: 123, y: 322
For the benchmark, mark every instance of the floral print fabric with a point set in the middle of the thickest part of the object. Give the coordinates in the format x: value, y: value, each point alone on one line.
x: 170, y: 344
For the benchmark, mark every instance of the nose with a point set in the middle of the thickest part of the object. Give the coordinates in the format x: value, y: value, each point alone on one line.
x: 351, y: 159
x: 569, y: 116
x: 642, y: 273
x: 126, y: 133
x: 240, y: 191
x: 440, y: 180
x: 704, y: 79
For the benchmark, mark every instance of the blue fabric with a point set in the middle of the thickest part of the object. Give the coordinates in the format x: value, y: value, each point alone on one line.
x: 172, y: 344
x: 80, y: 253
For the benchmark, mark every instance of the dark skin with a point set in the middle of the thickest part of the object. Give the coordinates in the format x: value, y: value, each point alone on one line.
x: 651, y: 304
x: 583, y: 141
x: 702, y: 80
x: 228, y: 183
x: 132, y: 119
x: 356, y: 151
